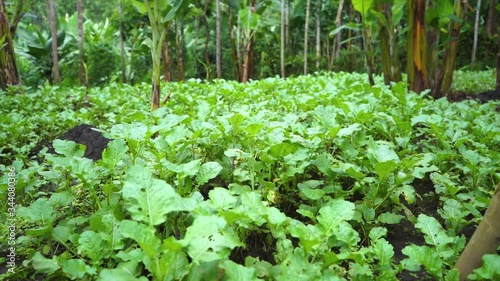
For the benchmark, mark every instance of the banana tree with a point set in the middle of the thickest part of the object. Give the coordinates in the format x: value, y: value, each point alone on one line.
x: 160, y: 14
x: 8, y: 68
x: 389, y: 13
x: 363, y: 7
x: 417, y: 47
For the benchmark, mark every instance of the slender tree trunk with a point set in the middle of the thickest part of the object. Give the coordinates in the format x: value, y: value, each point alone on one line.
x: 318, y: 35
x: 239, y: 48
x: 234, y: 52
x: 337, y: 44
x: 417, y: 47
x: 370, y: 58
x: 498, y: 72
x: 459, y: 8
x: 53, y: 30
x: 167, y: 62
x: 248, y: 64
x: 306, y: 29
x: 485, y: 239
x: 219, y: 47
x: 81, y: 51
x: 8, y: 67
x: 180, y: 53
x: 122, y: 43
x: 491, y: 24
x: 283, y: 40
x: 207, y: 38
x: 385, y: 42
x: 287, y: 25
x: 476, y: 31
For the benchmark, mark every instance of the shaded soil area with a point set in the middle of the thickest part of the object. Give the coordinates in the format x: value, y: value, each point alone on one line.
x: 405, y: 233
x: 481, y: 97
x: 85, y: 134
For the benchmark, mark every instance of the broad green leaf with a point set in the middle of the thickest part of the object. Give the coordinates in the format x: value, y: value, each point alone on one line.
x: 143, y: 235
x: 384, y: 153
x: 422, y: 255
x: 384, y: 169
x: 172, y: 266
x: 377, y: 233
x: 349, y: 130
x: 334, y: 212
x: 90, y: 245
x: 362, y: 6
x: 390, y: 218
x: 237, y: 272
x: 140, y: 6
x: 435, y: 235
x: 40, y: 211
x: 148, y: 199
x: 207, y: 172
x: 61, y: 234
x: 208, y: 239
x: 384, y: 251
x: 489, y: 270
x: 44, y: 265
x: 275, y: 216
x: 74, y: 268
x: 114, y: 153
x: 310, y: 191
x: 125, y: 271
x: 69, y: 148
x: 222, y: 198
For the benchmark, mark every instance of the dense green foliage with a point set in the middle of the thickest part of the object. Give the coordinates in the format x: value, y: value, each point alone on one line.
x: 196, y: 44
x: 318, y: 167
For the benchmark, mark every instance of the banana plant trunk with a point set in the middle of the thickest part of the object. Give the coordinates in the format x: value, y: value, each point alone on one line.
x: 8, y: 66
x: 452, y: 50
x: 485, y: 239
x: 417, y: 47
x: 385, y: 43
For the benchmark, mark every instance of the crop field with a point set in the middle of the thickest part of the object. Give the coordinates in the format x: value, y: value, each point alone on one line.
x: 317, y: 177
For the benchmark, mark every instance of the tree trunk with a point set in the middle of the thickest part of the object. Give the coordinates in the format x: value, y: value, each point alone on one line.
x: 318, y: 35
x: 306, y: 29
x: 370, y: 58
x: 282, y: 34
x: 337, y: 43
x: 476, y: 31
x: 81, y: 51
x: 498, y: 72
x: 207, y: 38
x: 417, y: 47
x: 451, y: 52
x: 167, y: 62
x: 287, y: 24
x: 180, y: 53
x: 8, y: 67
x: 122, y: 43
x: 234, y: 52
x: 491, y: 24
x: 248, y: 64
x: 53, y: 30
x: 485, y: 239
x: 385, y: 41
x: 219, y: 47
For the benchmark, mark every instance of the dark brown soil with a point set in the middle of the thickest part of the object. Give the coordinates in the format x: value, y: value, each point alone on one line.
x: 84, y: 134
x: 481, y: 97
x: 405, y: 233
